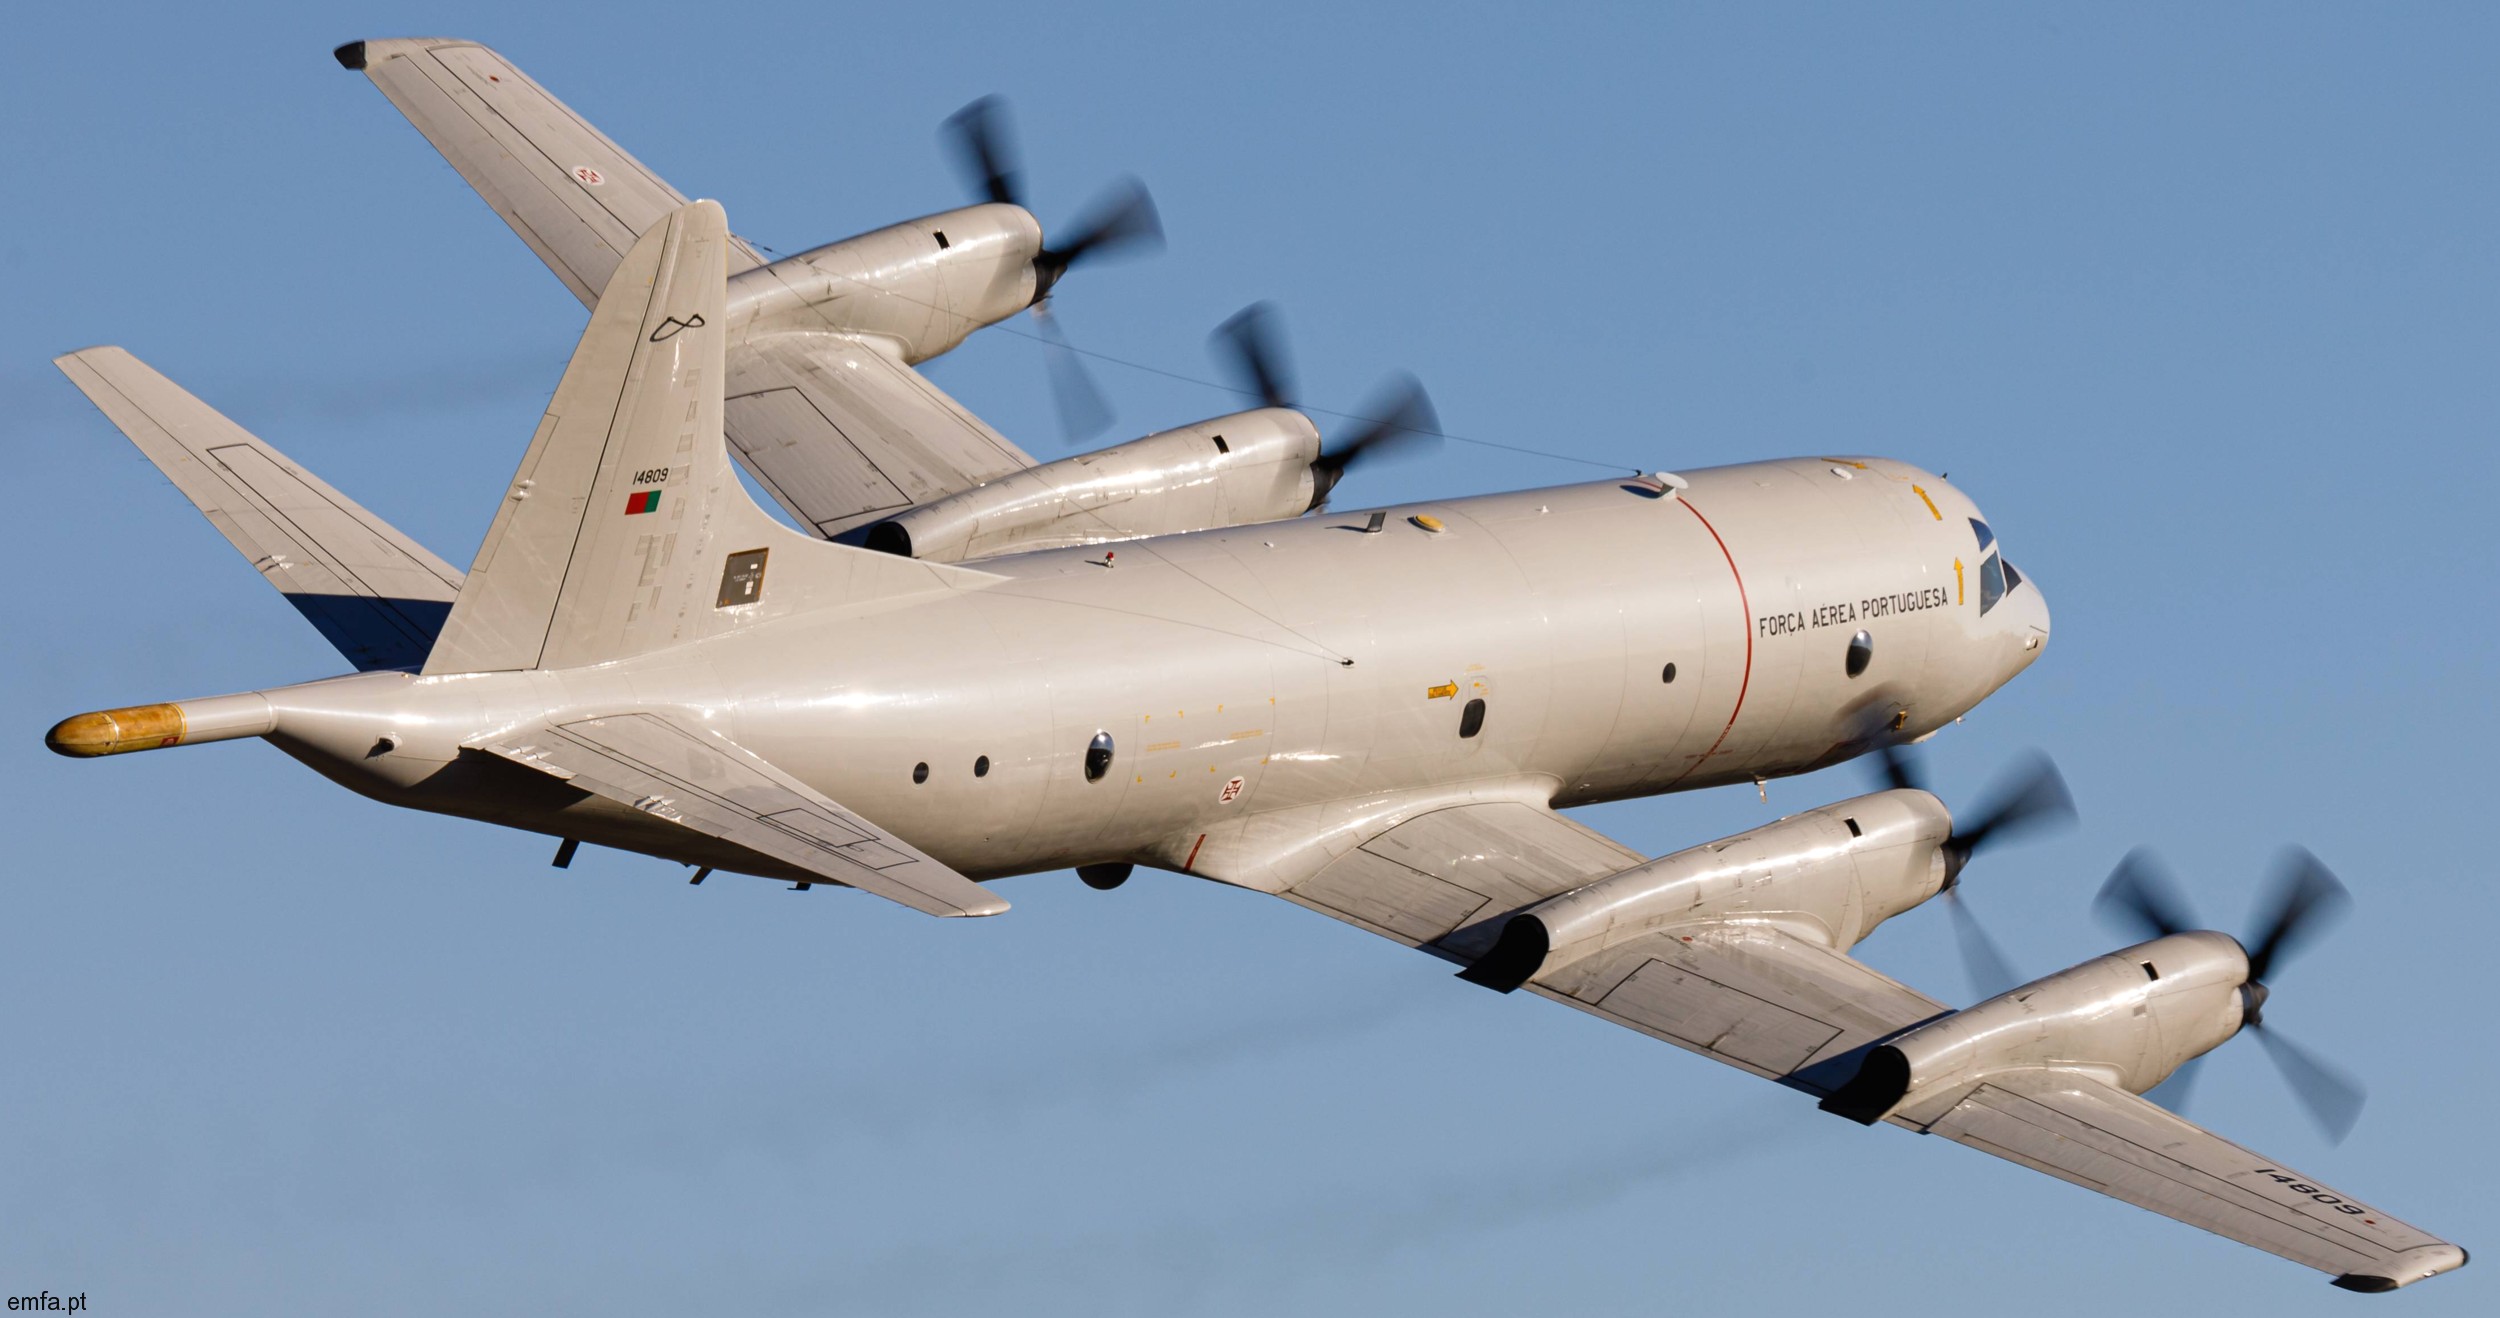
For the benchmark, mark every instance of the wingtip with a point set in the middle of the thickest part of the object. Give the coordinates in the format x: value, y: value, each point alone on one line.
x: 350, y: 56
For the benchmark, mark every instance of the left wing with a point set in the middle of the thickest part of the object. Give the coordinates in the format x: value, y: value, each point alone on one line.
x: 2078, y: 1129
x: 1768, y: 1000
x: 1751, y: 995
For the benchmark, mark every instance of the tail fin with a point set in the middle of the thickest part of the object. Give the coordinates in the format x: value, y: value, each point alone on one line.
x: 574, y: 196
x: 377, y: 595
x: 625, y: 529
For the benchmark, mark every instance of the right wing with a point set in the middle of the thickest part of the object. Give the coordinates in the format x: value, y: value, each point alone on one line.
x: 575, y: 197
x: 842, y: 433
x: 707, y: 783
x: 2077, y: 1129
x: 838, y: 429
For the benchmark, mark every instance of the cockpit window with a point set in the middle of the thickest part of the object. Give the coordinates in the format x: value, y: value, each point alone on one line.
x: 2012, y: 577
x: 1991, y: 583
x: 1986, y: 536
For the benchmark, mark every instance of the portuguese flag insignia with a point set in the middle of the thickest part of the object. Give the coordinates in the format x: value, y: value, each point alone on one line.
x: 641, y: 501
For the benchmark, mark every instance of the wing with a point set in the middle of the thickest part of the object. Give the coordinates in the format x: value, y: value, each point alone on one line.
x: 377, y: 595
x: 842, y: 433
x: 1751, y: 995
x: 575, y: 197
x: 707, y: 783
x: 1777, y: 1003
x: 2077, y: 1129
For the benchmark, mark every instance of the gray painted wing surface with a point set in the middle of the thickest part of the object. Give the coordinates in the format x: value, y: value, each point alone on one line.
x: 1754, y: 996
x: 842, y: 433
x: 1751, y: 995
x: 717, y: 788
x: 2104, y: 1139
x: 575, y: 197
x: 1442, y: 878
x: 377, y: 595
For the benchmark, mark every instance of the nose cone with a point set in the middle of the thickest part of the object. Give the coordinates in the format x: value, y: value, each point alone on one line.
x: 2025, y: 615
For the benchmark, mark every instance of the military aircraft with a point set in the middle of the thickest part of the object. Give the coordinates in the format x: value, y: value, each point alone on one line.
x: 1170, y: 653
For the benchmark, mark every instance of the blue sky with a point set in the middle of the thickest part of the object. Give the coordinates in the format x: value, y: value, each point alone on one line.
x: 2198, y: 302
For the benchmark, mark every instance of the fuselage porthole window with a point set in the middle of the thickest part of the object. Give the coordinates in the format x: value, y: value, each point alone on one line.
x: 1098, y: 757
x: 1991, y: 583
x: 1471, y: 719
x: 1861, y: 653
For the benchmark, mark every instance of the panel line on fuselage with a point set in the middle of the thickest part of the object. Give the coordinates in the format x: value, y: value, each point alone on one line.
x: 1746, y: 681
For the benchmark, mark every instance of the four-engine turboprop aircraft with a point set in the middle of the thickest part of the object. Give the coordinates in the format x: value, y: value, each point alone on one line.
x: 1376, y: 715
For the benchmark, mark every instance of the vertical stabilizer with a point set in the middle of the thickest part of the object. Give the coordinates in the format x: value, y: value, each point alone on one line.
x: 626, y: 529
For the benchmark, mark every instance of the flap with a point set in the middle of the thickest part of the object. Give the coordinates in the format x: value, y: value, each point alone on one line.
x: 840, y: 432
x: 712, y: 785
x: 1754, y: 996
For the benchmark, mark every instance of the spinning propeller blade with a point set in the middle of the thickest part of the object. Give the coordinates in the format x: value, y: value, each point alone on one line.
x: 2303, y: 895
x: 2332, y: 1098
x: 1083, y: 413
x: 1401, y: 416
x: 1122, y: 216
x: 2028, y: 796
x: 1982, y: 960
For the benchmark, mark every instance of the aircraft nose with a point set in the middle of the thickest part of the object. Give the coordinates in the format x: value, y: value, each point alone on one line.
x: 2026, y: 613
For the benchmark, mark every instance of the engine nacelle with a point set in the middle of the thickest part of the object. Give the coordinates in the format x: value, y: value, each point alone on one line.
x: 2127, y: 1019
x: 1247, y: 467
x: 925, y: 283
x: 1830, y: 875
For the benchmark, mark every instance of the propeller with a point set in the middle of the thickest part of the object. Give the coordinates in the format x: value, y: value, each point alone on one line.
x: 1121, y: 217
x: 2028, y: 796
x: 2301, y: 899
x: 1400, y: 416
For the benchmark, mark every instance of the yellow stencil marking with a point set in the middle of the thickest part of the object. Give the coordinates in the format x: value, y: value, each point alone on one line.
x: 1921, y: 491
x: 1445, y: 691
x: 1957, y: 581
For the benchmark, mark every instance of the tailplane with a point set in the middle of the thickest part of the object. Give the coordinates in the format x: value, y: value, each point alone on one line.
x: 626, y: 530
x: 377, y: 595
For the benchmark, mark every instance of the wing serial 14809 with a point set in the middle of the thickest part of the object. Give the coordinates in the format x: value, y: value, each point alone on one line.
x: 1170, y: 653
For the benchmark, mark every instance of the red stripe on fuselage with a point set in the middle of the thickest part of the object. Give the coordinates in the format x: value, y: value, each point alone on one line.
x: 1747, y: 606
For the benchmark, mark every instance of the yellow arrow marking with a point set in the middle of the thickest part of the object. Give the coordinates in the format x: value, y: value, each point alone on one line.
x: 1921, y: 491
x: 1957, y: 581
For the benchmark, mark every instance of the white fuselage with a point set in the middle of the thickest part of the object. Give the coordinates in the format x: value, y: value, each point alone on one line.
x: 1326, y: 668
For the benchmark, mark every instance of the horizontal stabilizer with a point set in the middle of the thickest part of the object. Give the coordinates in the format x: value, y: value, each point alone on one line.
x: 712, y: 785
x: 377, y: 595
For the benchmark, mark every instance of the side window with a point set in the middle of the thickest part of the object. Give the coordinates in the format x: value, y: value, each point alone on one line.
x: 1098, y: 757
x: 1991, y: 584
x: 1986, y: 536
